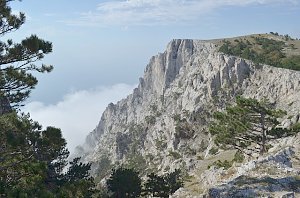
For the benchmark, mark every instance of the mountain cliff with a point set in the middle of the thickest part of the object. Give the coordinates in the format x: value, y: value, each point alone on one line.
x: 163, y: 124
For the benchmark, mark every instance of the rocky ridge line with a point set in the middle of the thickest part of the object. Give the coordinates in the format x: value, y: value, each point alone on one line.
x: 162, y: 125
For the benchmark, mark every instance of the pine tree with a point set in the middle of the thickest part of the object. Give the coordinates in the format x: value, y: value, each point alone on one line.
x: 124, y: 183
x: 248, y: 124
x: 156, y: 186
x: 17, y: 60
x: 164, y: 185
x: 77, y: 182
x: 31, y: 159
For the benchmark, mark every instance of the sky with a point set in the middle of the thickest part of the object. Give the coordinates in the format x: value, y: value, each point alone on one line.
x: 101, y: 47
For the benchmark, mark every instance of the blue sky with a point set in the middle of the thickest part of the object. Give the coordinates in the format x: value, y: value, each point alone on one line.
x: 100, y: 44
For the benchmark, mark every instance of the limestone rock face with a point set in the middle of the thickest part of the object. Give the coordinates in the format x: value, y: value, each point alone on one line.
x: 162, y: 125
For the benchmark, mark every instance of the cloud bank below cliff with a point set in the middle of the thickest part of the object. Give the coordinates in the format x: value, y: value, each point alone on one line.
x: 78, y: 112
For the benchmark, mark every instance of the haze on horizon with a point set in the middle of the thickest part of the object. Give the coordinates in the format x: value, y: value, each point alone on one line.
x: 102, y: 47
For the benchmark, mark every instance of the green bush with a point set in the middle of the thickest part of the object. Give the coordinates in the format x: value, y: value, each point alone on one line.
x: 238, y: 157
x: 213, y: 151
x: 175, y: 154
x: 296, y: 127
x: 225, y: 164
x: 165, y: 185
x: 124, y: 183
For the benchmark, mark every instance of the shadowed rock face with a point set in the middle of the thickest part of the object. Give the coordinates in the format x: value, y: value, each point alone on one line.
x: 163, y: 123
x: 252, y: 187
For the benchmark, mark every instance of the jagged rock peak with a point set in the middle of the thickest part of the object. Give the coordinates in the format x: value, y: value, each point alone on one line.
x: 163, y: 124
x: 163, y: 68
x: 158, y: 76
x: 187, y: 76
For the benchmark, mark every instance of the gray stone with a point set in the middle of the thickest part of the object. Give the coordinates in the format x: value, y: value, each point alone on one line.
x: 289, y: 195
x: 165, y: 119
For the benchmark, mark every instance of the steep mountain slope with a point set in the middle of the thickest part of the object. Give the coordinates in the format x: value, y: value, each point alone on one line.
x: 162, y: 125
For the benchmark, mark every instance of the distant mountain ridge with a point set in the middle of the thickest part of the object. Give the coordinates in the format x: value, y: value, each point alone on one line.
x: 162, y: 125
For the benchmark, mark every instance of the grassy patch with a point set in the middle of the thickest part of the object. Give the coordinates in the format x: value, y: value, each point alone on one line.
x: 226, y: 164
x: 278, y: 51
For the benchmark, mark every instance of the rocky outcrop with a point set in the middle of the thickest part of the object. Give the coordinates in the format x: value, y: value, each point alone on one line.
x: 274, y: 175
x: 162, y: 125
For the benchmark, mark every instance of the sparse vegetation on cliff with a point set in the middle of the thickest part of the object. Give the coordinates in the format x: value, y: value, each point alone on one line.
x: 125, y: 182
x: 248, y: 126
x: 276, y: 50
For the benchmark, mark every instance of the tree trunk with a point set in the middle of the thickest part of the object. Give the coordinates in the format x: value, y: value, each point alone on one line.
x: 4, y: 105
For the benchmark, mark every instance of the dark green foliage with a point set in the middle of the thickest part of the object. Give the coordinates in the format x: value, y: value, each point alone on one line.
x: 124, y: 183
x: 77, y: 182
x: 102, y: 193
x: 17, y: 164
x: 248, y: 124
x: 296, y: 128
x: 165, y: 185
x: 292, y: 62
x: 280, y: 132
x: 174, y: 181
x: 17, y: 59
x: 213, y: 151
x: 8, y: 21
x: 225, y: 164
x: 156, y: 186
x: 52, y: 147
x: 32, y: 160
x: 238, y: 157
x: 263, y: 50
x: 77, y: 171
x: 80, y: 188
x: 274, y: 33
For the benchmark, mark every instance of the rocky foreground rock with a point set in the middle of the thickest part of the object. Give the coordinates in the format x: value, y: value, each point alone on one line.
x: 162, y: 125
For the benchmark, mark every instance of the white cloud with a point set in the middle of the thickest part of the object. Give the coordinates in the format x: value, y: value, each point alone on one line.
x: 79, y: 111
x: 151, y: 12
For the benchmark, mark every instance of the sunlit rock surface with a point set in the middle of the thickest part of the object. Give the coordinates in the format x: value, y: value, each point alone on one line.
x: 162, y: 125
